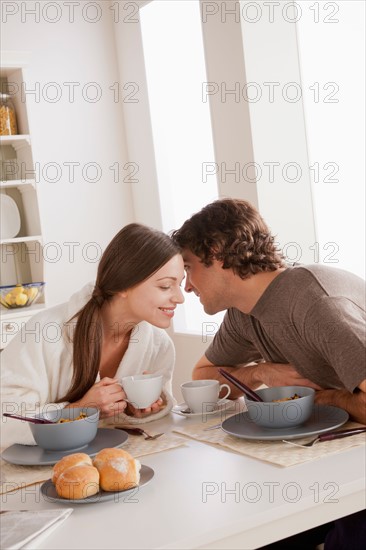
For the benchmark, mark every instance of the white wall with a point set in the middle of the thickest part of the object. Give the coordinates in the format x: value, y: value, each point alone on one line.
x: 332, y: 61
x: 73, y: 50
x: 145, y: 192
x: 277, y: 126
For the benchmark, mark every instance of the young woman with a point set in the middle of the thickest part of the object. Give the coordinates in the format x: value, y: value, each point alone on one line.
x: 75, y: 354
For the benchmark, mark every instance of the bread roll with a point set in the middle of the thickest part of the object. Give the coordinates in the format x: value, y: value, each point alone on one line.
x: 78, y: 482
x: 76, y: 459
x: 118, y: 470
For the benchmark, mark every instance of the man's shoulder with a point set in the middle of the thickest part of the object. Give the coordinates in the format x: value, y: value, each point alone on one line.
x: 326, y: 285
x: 325, y: 276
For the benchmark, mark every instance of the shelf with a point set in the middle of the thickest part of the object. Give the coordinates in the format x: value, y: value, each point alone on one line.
x: 21, y: 256
x: 21, y: 311
x: 4, y: 184
x: 15, y: 240
x: 17, y: 141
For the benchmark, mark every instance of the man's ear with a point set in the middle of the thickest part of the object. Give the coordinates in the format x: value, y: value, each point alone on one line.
x: 213, y: 254
x: 218, y: 263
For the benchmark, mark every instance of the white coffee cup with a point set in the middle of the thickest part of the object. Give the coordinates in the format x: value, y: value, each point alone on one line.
x: 142, y: 390
x: 202, y: 396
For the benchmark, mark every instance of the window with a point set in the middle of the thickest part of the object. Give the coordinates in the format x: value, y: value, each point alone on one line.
x: 181, y: 124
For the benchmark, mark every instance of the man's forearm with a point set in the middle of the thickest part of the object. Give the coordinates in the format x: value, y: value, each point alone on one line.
x: 353, y: 403
x: 248, y: 375
x: 270, y: 374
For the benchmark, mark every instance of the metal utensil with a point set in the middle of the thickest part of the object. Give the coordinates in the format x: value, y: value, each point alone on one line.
x: 328, y: 437
x: 215, y: 427
x: 240, y: 385
x: 29, y: 419
x: 186, y: 411
x: 138, y: 431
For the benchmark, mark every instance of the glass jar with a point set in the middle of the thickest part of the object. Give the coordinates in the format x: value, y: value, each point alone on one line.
x: 8, y: 120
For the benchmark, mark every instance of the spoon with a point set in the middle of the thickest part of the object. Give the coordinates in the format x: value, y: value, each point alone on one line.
x: 186, y: 411
x: 138, y: 431
x: 242, y: 387
x: 29, y: 419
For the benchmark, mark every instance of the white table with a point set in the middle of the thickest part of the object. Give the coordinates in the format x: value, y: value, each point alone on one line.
x: 205, y: 497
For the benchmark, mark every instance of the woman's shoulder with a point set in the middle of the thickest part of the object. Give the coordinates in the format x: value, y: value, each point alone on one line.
x: 50, y: 314
x: 79, y: 298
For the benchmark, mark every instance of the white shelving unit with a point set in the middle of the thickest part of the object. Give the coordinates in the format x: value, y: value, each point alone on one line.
x: 21, y: 256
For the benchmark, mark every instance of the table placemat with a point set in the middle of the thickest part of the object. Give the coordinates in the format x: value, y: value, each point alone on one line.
x: 15, y: 477
x: 274, y: 452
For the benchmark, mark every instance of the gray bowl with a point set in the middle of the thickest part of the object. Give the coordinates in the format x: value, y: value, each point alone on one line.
x: 284, y: 414
x: 66, y: 436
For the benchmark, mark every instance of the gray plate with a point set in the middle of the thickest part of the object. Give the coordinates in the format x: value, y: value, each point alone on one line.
x: 32, y: 455
x: 324, y: 418
x: 48, y: 491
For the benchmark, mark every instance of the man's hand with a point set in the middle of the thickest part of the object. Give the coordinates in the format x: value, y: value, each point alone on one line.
x: 353, y: 403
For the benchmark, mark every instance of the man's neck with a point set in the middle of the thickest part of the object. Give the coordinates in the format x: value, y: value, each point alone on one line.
x: 248, y: 291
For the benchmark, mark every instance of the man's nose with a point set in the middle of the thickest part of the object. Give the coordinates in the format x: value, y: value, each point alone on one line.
x: 188, y: 285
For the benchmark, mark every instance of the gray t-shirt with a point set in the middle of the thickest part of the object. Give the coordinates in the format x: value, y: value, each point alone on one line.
x: 310, y: 316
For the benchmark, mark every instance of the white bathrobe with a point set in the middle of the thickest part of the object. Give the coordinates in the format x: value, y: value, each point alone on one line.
x: 36, y: 366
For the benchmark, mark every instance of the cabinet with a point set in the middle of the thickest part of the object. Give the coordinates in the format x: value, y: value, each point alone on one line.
x: 21, y: 256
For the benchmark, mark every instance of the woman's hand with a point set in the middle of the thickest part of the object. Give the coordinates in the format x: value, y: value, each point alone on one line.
x: 107, y: 395
x: 141, y: 413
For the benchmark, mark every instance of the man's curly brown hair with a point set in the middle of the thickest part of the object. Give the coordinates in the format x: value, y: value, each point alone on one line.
x: 233, y: 232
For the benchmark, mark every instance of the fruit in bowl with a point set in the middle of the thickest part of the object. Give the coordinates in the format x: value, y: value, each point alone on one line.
x: 14, y: 296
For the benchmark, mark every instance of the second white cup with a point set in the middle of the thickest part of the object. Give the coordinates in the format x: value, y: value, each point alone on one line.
x: 202, y: 396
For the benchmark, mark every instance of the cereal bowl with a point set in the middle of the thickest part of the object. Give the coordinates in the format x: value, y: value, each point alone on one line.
x: 68, y: 432
x: 282, y: 407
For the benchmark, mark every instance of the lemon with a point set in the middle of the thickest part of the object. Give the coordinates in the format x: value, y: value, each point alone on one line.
x: 18, y: 290
x: 21, y: 299
x: 31, y: 293
x: 10, y: 299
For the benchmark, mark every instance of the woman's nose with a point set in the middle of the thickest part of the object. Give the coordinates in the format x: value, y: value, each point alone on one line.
x: 179, y: 299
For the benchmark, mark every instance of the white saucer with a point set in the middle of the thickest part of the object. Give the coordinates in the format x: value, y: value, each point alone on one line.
x: 207, y: 411
x: 324, y: 418
x: 48, y: 491
x: 32, y: 455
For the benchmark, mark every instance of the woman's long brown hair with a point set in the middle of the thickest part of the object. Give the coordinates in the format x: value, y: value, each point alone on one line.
x: 134, y: 254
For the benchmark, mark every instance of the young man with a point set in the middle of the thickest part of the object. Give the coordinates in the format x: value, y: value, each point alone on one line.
x: 284, y: 325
